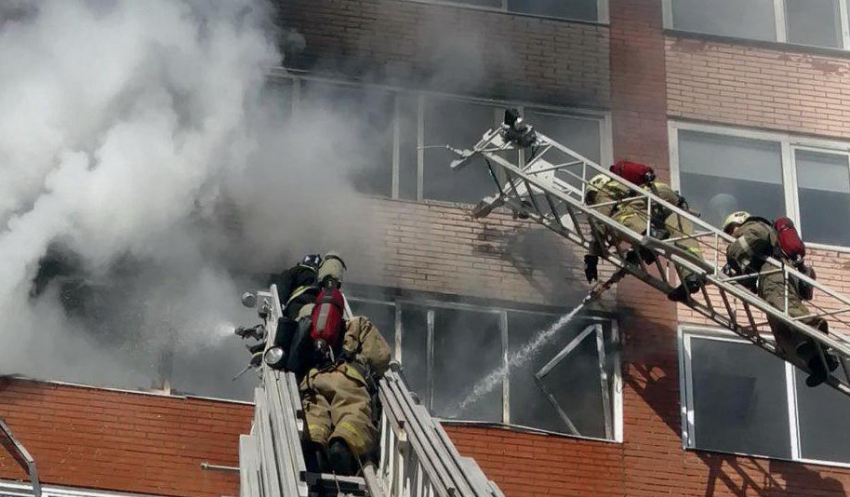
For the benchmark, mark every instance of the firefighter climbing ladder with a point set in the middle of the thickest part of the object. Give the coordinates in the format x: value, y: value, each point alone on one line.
x: 546, y: 182
x: 416, y: 459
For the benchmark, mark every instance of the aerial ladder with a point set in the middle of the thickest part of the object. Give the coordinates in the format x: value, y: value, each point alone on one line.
x: 539, y: 179
x: 416, y: 457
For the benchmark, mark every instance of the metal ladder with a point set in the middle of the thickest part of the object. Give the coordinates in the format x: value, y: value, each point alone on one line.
x: 416, y: 457
x: 546, y: 183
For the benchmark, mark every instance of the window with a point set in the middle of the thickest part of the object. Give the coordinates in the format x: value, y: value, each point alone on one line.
x: 455, y: 122
x: 813, y: 22
x: 750, y: 19
x: 816, y: 23
x: 393, y: 141
x: 362, y: 123
x: 823, y: 190
x: 722, y: 170
x: 739, y: 398
x: 580, y: 10
x: 570, y: 386
x: 722, y: 174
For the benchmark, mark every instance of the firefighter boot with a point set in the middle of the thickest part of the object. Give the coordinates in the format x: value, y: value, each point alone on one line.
x: 315, y: 458
x: 342, y: 461
x: 690, y: 286
x: 817, y: 369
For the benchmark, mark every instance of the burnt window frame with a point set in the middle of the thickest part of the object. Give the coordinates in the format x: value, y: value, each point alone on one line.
x: 419, y: 99
x: 614, y: 420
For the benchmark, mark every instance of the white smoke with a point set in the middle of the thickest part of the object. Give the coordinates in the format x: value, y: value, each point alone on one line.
x: 126, y: 127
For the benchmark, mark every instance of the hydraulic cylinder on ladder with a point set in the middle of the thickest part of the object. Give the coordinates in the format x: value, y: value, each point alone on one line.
x: 416, y: 457
x: 543, y: 180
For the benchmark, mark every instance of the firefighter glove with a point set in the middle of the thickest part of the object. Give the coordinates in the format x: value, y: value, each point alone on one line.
x: 590, y: 264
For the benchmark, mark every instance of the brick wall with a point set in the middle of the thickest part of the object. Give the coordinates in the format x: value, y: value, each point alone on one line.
x: 761, y: 87
x: 94, y: 438
x: 452, y: 49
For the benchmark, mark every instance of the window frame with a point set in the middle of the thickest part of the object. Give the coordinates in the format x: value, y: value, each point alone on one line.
x: 781, y: 24
x: 602, y: 118
x: 789, y: 143
x: 602, y: 10
x: 686, y: 395
x: 614, y: 419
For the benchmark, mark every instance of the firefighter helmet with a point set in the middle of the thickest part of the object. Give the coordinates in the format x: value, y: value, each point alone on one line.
x: 598, y: 181
x: 734, y: 220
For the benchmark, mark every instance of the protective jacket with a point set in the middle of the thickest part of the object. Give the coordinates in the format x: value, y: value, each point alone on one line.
x: 757, y: 241
x: 611, y: 192
x: 338, y: 398
x: 296, y: 287
x: 665, y: 222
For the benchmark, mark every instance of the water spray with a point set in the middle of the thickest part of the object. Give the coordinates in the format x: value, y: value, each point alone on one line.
x: 523, y: 355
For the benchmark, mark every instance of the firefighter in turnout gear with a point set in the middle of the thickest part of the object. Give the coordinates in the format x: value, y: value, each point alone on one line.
x: 663, y: 222
x: 756, y: 240
x: 602, y: 189
x: 339, y: 395
x: 299, y: 285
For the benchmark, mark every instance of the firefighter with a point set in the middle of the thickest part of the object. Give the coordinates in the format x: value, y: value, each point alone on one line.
x: 664, y: 223
x: 756, y: 240
x: 298, y: 286
x: 602, y: 189
x: 339, y: 392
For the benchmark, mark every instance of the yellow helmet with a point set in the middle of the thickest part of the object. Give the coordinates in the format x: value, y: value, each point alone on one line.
x: 598, y: 181
x: 735, y: 219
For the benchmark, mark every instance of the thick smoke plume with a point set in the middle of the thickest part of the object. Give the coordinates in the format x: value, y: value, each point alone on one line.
x: 140, y: 141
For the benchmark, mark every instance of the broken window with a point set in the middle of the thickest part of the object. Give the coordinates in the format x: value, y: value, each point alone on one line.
x: 722, y: 174
x: 813, y: 22
x: 568, y: 386
x: 453, y: 357
x: 823, y: 189
x: 361, y: 119
x: 584, y: 10
x: 754, y: 19
x: 738, y: 398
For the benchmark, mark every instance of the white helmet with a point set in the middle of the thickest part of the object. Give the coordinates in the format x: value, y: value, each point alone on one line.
x: 735, y: 219
x: 598, y: 181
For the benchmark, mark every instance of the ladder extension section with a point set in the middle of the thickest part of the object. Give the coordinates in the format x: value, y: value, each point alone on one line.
x: 547, y: 182
x: 416, y: 458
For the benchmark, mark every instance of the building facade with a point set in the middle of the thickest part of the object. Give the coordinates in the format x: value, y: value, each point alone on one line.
x: 739, y: 107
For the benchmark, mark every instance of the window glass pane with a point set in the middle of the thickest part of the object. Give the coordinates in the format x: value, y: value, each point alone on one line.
x: 364, y: 139
x: 722, y: 174
x: 414, y: 350
x: 813, y: 22
x: 744, y: 19
x: 382, y: 316
x: 823, y: 413
x: 740, y: 399
x: 584, y: 10
x: 579, y: 134
x: 467, y: 347
x: 823, y: 186
x: 459, y: 124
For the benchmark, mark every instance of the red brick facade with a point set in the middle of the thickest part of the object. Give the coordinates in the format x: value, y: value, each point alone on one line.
x: 632, y: 68
x: 112, y: 440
